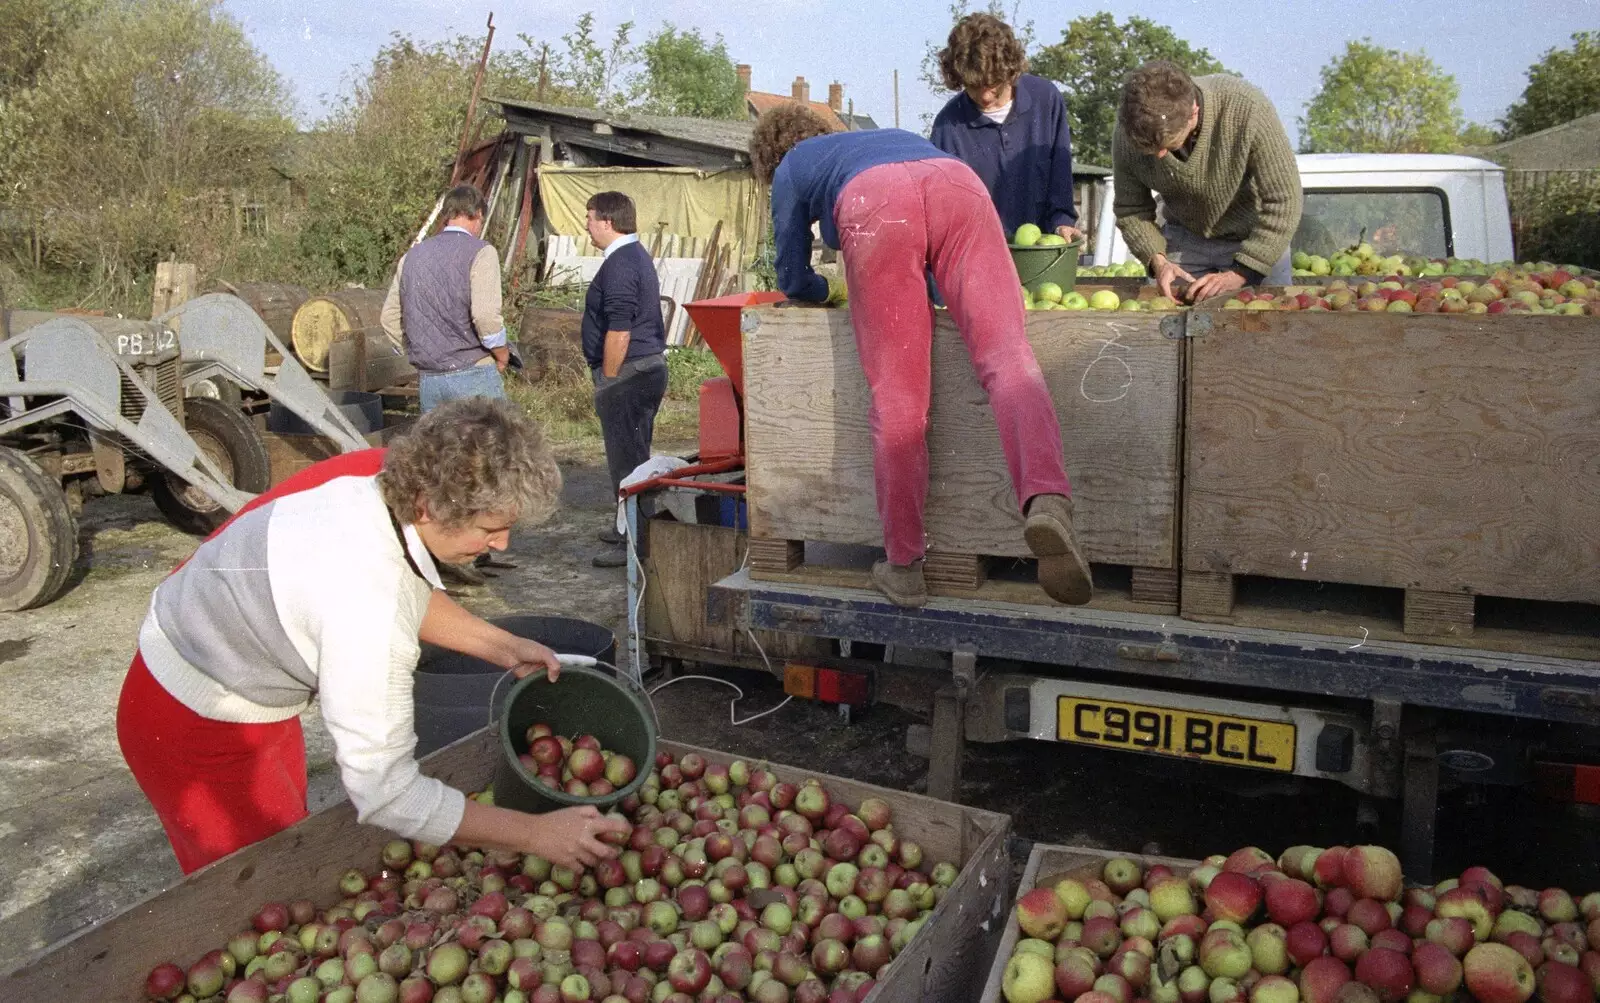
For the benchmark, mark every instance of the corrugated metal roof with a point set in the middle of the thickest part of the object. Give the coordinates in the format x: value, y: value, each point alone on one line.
x: 721, y: 134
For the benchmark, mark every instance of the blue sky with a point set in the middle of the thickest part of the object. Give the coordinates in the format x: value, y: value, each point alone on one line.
x: 1280, y: 46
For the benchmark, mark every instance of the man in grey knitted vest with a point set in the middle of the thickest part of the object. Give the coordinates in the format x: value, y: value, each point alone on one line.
x: 444, y: 307
x: 444, y: 310
x: 1214, y: 150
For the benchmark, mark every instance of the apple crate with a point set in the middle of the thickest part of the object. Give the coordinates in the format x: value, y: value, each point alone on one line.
x: 1048, y: 864
x: 1115, y: 379
x: 1449, y: 456
x: 108, y: 962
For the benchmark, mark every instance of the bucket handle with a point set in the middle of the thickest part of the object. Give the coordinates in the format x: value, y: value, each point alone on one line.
x: 580, y: 661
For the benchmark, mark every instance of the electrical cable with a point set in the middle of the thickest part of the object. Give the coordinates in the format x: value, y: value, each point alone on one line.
x: 736, y: 722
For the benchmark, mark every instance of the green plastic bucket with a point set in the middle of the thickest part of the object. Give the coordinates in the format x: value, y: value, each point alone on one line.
x: 583, y: 701
x: 1038, y: 265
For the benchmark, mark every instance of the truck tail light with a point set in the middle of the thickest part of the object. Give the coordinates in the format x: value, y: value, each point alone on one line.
x: 810, y: 682
x: 1573, y: 782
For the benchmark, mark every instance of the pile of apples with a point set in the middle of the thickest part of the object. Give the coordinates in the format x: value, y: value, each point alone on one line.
x: 1363, y: 259
x: 1557, y: 292
x: 1314, y: 926
x: 1130, y: 269
x: 1049, y: 296
x: 577, y: 766
x: 732, y: 887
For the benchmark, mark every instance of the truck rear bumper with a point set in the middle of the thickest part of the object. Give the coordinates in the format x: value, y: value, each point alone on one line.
x: 1163, y: 648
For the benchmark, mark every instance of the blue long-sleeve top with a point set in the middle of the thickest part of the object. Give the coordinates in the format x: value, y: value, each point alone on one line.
x: 806, y: 188
x: 1025, y: 162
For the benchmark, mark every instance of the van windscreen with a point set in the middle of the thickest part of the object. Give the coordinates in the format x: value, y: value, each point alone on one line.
x: 1393, y: 221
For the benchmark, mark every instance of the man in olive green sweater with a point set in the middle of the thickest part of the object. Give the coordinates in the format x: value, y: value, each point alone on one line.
x: 1214, y: 151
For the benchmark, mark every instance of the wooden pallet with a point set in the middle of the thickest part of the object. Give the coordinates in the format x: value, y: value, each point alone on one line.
x: 965, y: 576
x: 1210, y: 595
x: 1359, y: 612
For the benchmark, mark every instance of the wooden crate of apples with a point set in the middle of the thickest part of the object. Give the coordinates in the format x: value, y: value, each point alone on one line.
x: 1313, y: 926
x: 734, y: 885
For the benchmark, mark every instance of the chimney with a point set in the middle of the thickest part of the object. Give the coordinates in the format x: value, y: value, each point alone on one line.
x: 744, y: 77
x: 836, y: 97
x: 800, y: 90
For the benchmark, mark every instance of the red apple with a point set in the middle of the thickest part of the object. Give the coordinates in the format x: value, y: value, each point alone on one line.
x: 1495, y: 973
x: 1233, y: 896
x: 1322, y: 978
x: 1348, y: 942
x: 1290, y: 902
x: 1387, y: 972
x: 1560, y: 983
x: 1369, y: 915
x: 1438, y: 971
x: 1306, y: 941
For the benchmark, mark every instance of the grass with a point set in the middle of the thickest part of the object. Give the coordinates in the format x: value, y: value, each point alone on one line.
x: 563, y: 402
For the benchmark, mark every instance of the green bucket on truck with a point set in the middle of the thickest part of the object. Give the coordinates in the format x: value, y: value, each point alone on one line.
x: 1037, y: 265
x: 584, y: 701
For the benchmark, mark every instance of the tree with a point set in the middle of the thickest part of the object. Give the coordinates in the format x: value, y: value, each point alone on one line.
x: 29, y: 31
x: 1478, y: 134
x: 138, y: 125
x: 384, y: 151
x: 1563, y: 85
x: 1093, y: 59
x: 1377, y: 100
x: 685, y: 75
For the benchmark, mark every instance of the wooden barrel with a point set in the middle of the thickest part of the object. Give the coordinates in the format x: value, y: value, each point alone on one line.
x: 550, y: 339
x: 274, y: 302
x: 323, y: 321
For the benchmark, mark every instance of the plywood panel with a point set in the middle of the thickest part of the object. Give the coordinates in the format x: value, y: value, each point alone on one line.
x: 1443, y: 453
x: 681, y: 562
x: 1115, y: 381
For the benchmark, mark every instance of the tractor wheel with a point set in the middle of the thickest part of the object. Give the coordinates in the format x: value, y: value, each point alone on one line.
x: 38, y: 536
x: 231, y: 442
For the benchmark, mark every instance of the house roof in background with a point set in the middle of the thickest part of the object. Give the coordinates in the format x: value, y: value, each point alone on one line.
x: 762, y: 102
x: 1570, y: 146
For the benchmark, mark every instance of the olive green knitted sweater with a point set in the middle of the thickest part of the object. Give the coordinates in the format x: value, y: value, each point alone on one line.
x: 1239, y: 182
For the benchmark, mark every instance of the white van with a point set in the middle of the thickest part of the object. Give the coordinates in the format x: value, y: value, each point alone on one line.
x: 1432, y: 205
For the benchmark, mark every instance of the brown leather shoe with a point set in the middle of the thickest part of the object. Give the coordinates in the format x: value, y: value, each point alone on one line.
x: 1063, y: 573
x: 902, y: 583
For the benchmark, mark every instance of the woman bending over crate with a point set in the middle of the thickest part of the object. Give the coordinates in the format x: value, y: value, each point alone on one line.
x: 897, y: 207
x: 323, y: 588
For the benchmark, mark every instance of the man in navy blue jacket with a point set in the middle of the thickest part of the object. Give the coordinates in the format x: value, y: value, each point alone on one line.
x: 1010, y: 127
x: 624, y: 342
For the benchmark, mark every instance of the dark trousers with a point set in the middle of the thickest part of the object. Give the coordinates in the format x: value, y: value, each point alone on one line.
x: 627, y: 406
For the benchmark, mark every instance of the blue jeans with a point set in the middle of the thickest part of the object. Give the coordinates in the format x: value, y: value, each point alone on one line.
x: 434, y: 389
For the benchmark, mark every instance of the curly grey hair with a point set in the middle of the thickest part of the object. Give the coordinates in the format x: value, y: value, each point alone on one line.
x: 468, y: 458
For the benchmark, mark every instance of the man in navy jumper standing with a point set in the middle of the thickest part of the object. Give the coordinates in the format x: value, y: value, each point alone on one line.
x: 1010, y: 127
x: 624, y: 342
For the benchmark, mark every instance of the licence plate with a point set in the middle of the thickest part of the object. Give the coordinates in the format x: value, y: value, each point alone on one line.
x: 1187, y: 734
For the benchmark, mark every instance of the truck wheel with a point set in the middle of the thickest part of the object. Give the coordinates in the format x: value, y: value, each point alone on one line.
x: 38, y: 536
x: 230, y: 441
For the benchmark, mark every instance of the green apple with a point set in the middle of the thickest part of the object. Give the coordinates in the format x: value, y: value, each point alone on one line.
x: 1051, y: 240
x: 1074, y: 301
x: 1027, y: 235
x: 1049, y: 291
x: 1104, y: 299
